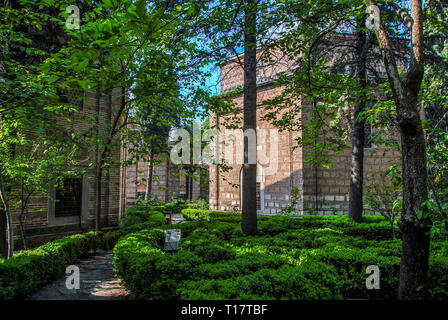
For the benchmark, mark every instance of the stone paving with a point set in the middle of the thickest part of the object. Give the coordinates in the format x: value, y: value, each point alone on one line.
x: 97, y: 282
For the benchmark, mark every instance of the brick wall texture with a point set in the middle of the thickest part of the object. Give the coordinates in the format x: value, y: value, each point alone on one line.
x: 321, y: 190
x: 36, y: 220
x: 168, y: 178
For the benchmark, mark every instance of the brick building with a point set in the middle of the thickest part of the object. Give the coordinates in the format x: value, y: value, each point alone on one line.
x: 321, y: 190
x: 167, y: 179
x: 71, y: 208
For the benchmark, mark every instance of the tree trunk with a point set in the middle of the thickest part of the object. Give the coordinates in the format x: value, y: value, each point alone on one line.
x: 98, y: 178
x: 187, y: 185
x: 99, y: 169
x: 105, y: 154
x: 415, y: 233
x: 150, y: 174
x: 405, y: 91
x: 107, y: 198
x: 22, y: 228
x: 357, y: 164
x: 7, y: 210
x: 167, y: 190
x: 3, y: 236
x: 249, y: 201
x: 191, y: 184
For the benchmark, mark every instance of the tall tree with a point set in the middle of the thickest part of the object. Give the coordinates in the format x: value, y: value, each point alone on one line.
x: 333, y: 58
x: 126, y: 45
x: 249, y: 202
x: 414, y: 221
x: 231, y: 28
x: 34, y: 148
x: 155, y: 133
x: 358, y: 135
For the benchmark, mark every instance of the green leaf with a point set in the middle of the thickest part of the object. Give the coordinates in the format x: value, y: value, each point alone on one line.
x: 419, y: 214
x: 52, y: 79
x: 432, y: 232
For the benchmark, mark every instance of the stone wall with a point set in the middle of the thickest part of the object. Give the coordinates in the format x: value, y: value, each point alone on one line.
x: 326, y: 190
x: 321, y: 190
x: 279, y: 167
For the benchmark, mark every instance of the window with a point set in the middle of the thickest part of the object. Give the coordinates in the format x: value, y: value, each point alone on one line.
x: 258, y: 196
x: 71, y: 97
x: 189, y: 188
x: 69, y: 198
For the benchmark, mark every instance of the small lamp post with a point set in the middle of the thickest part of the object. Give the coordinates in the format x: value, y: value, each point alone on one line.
x: 169, y: 220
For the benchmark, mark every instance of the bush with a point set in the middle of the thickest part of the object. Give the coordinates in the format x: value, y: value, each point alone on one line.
x: 155, y: 219
x: 315, y: 257
x: 154, y: 200
x: 29, y: 270
x: 305, y: 282
x: 160, y: 208
x: 148, y: 271
x: 140, y: 213
x: 200, y: 204
x: 207, y: 215
x: 351, y: 264
x: 438, y: 277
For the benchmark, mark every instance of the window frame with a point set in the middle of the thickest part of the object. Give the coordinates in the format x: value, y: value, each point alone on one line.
x: 54, y: 220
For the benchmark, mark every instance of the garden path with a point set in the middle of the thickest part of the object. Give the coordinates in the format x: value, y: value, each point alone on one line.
x: 97, y: 279
x: 97, y: 282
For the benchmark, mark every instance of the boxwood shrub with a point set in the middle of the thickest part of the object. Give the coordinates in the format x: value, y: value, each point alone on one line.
x: 207, y: 215
x: 29, y: 270
x: 314, y: 257
x: 373, y: 227
x: 140, y: 213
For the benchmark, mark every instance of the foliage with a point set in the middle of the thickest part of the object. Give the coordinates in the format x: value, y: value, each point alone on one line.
x: 200, y: 204
x: 136, y: 216
x: 436, y: 62
x: 177, y: 203
x: 31, y: 269
x: 295, y: 198
x: 200, y: 214
x: 435, y: 102
x: 36, y: 145
x: 383, y: 195
x: 153, y: 200
x: 437, y: 203
x: 294, y: 257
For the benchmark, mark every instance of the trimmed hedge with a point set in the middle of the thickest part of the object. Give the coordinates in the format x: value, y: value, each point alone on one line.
x: 29, y: 270
x: 315, y: 257
x: 208, y: 215
x: 373, y: 227
x: 140, y: 213
x: 174, y: 208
